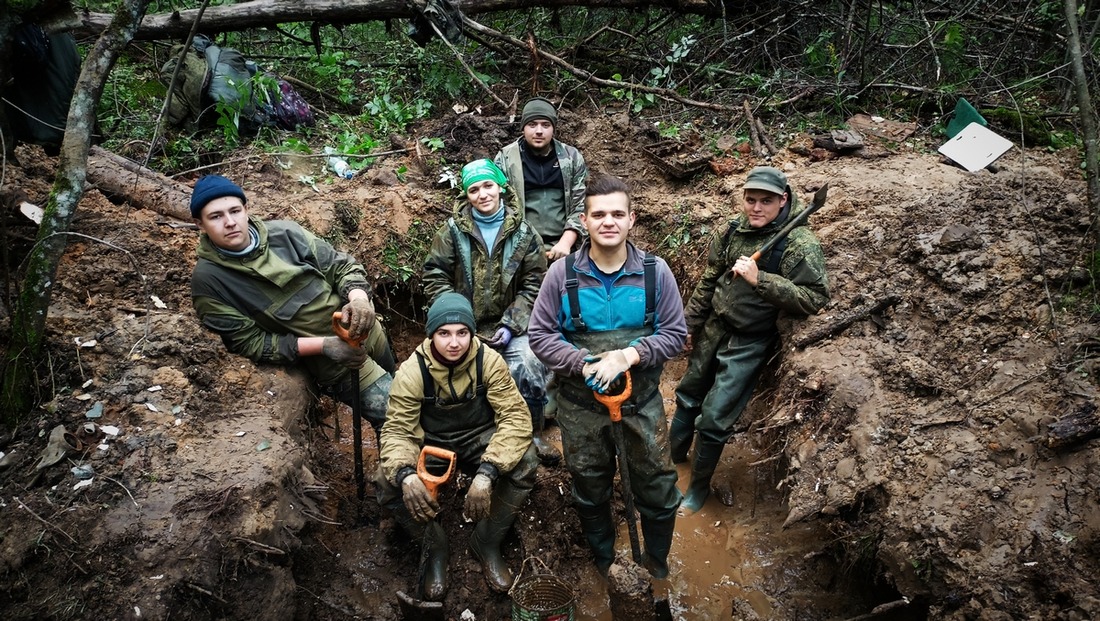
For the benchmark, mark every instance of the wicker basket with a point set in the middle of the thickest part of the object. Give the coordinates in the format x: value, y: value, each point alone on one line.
x: 541, y: 597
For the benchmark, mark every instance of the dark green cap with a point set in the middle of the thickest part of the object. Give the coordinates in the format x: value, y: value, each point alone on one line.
x: 766, y: 178
x: 448, y: 308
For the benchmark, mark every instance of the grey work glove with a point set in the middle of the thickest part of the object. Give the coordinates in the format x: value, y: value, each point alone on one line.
x: 501, y: 339
x: 334, y: 348
x: 418, y: 500
x: 603, y: 370
x: 358, y: 316
x: 478, y: 498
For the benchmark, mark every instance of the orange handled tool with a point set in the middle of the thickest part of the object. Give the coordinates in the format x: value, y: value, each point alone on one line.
x: 356, y: 410
x: 339, y: 330
x: 614, y: 405
x: 432, y: 481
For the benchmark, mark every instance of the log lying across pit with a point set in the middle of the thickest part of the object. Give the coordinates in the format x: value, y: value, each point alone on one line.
x: 118, y: 177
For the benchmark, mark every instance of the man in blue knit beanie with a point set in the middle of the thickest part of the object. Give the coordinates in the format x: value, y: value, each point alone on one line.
x: 269, y: 290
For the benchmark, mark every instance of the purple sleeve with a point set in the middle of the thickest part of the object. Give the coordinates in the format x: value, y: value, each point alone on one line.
x: 544, y: 330
x: 670, y: 334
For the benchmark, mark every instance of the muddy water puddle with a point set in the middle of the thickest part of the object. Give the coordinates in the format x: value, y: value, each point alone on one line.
x: 722, y: 554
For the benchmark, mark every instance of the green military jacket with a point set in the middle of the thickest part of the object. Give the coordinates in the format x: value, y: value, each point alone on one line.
x: 403, y: 436
x: 800, y: 287
x: 287, y: 287
x: 550, y: 219
x: 501, y: 287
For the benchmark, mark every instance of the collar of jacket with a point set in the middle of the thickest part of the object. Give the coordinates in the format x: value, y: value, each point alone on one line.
x: 207, y: 250
x: 633, y: 264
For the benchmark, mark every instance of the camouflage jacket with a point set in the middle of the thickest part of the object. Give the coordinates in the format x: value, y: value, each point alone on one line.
x: 501, y: 288
x: 800, y: 287
x: 574, y: 173
x: 403, y: 434
x: 288, y: 287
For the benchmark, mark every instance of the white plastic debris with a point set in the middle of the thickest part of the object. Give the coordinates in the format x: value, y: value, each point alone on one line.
x: 82, y: 484
x: 240, y: 434
x: 103, y: 447
x: 151, y: 407
x: 178, y: 422
x: 83, y: 397
x: 467, y: 615
x: 32, y: 211
x: 157, y: 302
x: 155, y: 388
x: 87, y: 383
x: 110, y: 430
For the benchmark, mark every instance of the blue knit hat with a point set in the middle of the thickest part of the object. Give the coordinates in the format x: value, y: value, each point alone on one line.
x: 211, y: 187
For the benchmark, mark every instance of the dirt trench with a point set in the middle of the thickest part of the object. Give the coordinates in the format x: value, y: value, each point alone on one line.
x: 899, y: 463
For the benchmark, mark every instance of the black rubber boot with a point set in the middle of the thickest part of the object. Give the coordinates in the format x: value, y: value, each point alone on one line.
x: 599, y: 530
x: 434, y: 553
x: 680, y: 434
x: 658, y: 541
x: 490, y: 532
x: 549, y: 455
x: 707, y: 455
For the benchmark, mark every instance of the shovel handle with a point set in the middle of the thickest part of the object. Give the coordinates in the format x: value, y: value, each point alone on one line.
x: 614, y: 403
x: 432, y: 481
x: 342, y: 332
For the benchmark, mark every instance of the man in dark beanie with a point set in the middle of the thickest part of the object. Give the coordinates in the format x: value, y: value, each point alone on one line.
x: 457, y: 394
x: 548, y: 177
x: 731, y: 318
x: 269, y: 290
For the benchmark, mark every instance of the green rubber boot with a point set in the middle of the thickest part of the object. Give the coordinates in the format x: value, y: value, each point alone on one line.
x: 489, y: 534
x: 658, y: 541
x: 680, y: 434
x: 707, y: 455
x: 434, y: 553
x: 599, y: 530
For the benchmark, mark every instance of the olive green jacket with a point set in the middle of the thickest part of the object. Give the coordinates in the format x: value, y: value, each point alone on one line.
x: 403, y: 436
x: 800, y: 288
x: 574, y: 173
x: 287, y: 287
x: 502, y: 288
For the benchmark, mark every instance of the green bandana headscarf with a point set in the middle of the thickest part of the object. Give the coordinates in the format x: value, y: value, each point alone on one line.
x: 480, y: 170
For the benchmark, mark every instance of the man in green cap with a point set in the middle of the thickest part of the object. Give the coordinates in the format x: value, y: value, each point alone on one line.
x: 487, y: 252
x: 454, y: 393
x: 732, y: 316
x: 548, y: 177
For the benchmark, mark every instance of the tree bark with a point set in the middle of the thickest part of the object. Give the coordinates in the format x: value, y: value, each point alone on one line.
x: 1088, y: 118
x: 260, y: 13
x: 29, y: 316
x: 142, y: 187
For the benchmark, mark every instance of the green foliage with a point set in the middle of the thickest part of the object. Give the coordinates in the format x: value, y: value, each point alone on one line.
x: 626, y: 95
x: 433, y: 143
x: 389, y: 114
x: 403, y: 256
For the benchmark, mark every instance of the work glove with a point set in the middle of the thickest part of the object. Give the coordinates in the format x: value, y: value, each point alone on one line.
x: 418, y: 500
x: 478, y: 498
x: 603, y: 370
x: 335, y: 349
x: 501, y: 339
x: 358, y: 316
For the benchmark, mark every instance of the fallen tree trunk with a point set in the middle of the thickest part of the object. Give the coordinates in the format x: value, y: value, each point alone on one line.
x: 119, y: 177
x: 258, y: 13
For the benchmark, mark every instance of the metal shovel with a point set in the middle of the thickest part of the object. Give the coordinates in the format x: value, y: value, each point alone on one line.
x: 614, y: 405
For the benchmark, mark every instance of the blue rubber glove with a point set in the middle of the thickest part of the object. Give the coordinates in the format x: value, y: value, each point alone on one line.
x: 501, y: 339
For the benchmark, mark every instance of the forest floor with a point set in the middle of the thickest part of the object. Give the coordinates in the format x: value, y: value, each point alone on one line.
x: 897, y: 468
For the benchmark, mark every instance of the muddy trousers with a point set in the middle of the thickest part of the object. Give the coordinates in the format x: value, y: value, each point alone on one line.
x: 718, y: 384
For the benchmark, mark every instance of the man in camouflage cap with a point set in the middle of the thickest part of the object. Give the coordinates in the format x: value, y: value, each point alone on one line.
x: 731, y: 320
